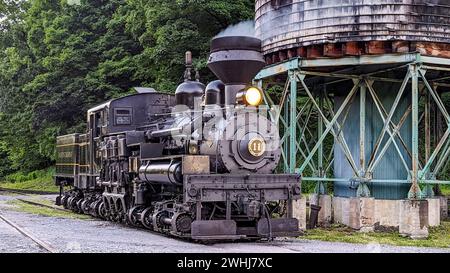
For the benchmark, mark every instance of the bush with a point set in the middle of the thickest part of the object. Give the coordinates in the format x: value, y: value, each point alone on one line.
x: 22, y: 177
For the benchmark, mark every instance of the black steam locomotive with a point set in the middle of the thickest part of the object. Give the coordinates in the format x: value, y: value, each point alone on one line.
x: 199, y: 164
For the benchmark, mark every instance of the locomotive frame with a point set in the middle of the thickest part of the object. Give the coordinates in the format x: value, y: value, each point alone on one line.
x: 135, y: 164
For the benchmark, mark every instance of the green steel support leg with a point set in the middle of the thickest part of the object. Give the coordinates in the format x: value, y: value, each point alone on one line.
x: 427, y: 126
x: 286, y: 133
x: 319, y: 133
x: 414, y: 192
x: 362, y: 129
x: 428, y: 189
x: 363, y: 189
x: 320, y: 187
x: 293, y: 123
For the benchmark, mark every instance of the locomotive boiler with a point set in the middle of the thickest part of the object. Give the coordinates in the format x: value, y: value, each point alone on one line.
x: 199, y: 164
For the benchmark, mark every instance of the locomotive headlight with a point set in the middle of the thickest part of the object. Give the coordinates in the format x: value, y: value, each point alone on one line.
x: 251, y: 96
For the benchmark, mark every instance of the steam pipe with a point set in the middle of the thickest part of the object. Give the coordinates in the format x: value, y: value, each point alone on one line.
x: 166, y: 132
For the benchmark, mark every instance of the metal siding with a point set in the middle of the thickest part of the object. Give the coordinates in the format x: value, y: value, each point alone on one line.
x: 67, y: 158
x: 390, y: 166
x: 283, y: 24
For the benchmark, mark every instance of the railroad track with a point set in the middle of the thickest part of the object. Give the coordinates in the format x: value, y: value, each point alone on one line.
x: 29, y: 235
x: 40, y: 243
x: 27, y: 192
x: 42, y: 205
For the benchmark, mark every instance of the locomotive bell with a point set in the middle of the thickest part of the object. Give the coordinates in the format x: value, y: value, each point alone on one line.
x: 235, y: 60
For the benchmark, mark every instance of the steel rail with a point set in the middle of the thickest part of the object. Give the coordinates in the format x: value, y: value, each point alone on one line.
x: 42, y: 205
x: 27, y: 192
x: 27, y: 234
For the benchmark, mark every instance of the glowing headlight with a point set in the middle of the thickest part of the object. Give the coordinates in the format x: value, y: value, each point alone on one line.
x: 252, y: 96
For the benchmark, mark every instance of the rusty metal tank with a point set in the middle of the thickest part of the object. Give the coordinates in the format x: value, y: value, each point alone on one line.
x: 286, y: 24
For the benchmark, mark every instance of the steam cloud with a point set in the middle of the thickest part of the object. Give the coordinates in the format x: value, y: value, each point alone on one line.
x: 245, y: 28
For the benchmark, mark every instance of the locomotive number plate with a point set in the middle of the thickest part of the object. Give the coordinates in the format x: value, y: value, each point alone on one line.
x: 257, y: 146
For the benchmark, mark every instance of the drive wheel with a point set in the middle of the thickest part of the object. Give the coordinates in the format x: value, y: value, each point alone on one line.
x: 158, y: 217
x: 181, y: 223
x: 64, y: 201
x: 102, y: 212
x: 85, y: 206
x: 79, y: 206
x: 73, y: 204
x: 133, y: 217
x: 93, y: 208
x: 146, y: 218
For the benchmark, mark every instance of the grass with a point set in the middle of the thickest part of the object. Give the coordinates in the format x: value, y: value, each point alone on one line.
x: 445, y: 189
x: 439, y: 236
x: 41, y: 180
x: 28, y: 208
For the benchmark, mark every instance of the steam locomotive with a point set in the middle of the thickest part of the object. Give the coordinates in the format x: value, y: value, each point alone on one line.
x: 198, y: 164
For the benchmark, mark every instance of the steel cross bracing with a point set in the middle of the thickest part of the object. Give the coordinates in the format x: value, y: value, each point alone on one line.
x: 308, y: 118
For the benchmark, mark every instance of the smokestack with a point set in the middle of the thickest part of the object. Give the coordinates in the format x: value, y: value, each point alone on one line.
x: 235, y: 60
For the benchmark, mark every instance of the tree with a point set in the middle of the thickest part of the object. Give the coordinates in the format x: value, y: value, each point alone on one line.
x: 58, y: 59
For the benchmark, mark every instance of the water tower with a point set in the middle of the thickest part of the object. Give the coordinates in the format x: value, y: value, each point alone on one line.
x: 362, y: 104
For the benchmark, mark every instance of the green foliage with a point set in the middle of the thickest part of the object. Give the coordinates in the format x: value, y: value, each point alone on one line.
x: 40, y: 180
x: 59, y: 58
x: 22, y: 177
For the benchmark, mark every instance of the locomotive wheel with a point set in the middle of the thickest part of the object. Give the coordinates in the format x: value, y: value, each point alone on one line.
x: 79, y: 207
x: 85, y: 206
x: 73, y: 204
x: 146, y: 218
x: 133, y: 217
x: 93, y: 208
x: 157, y: 219
x: 96, y: 209
x: 64, y: 201
x: 69, y: 202
x: 101, y: 210
x: 181, y: 223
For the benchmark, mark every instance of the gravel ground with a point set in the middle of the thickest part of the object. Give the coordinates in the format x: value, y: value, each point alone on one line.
x: 11, y: 241
x: 75, y: 235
